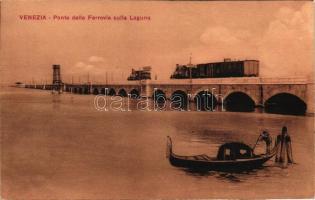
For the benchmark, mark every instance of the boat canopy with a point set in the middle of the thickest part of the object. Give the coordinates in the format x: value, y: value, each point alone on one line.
x: 234, y: 150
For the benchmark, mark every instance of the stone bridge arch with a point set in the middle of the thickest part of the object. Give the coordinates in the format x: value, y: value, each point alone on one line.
x: 253, y: 91
x: 285, y: 99
x: 296, y: 90
x: 205, y: 100
x: 122, y: 92
x: 251, y: 96
x: 134, y: 92
x: 169, y: 89
x: 96, y: 91
x: 213, y: 89
x: 112, y: 91
x: 181, y: 88
x: 75, y: 90
x: 239, y: 102
x: 179, y: 100
x: 159, y: 95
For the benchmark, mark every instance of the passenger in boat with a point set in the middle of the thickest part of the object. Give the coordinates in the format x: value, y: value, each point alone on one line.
x: 284, y: 152
x: 265, y: 136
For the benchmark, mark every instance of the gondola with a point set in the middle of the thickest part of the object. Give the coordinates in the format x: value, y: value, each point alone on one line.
x: 233, y: 156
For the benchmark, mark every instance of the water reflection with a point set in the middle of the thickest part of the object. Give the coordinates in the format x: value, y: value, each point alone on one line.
x: 56, y: 101
x: 230, y: 176
x: 271, y: 169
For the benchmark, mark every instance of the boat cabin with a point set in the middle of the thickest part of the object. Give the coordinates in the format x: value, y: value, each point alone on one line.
x: 234, y: 150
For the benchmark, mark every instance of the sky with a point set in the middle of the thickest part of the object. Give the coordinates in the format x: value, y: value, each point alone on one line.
x: 277, y: 33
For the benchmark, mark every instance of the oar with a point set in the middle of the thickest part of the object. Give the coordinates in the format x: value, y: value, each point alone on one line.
x: 256, y: 142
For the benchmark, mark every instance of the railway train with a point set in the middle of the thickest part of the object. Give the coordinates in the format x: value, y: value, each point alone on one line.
x: 227, y: 68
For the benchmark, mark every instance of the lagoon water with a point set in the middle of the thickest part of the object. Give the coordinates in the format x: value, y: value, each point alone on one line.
x: 61, y: 147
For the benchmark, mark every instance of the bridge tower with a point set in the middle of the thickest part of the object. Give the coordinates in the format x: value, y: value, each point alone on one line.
x: 57, y: 82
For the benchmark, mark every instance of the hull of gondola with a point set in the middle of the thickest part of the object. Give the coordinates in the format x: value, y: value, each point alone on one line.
x: 204, y: 162
x: 233, y: 165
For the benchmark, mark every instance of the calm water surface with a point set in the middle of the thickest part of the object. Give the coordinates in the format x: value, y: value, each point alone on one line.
x: 60, y: 147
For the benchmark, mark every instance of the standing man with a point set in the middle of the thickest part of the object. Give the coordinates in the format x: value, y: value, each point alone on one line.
x: 268, y: 140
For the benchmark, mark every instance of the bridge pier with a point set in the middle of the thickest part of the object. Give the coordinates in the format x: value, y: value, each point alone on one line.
x: 310, y: 99
x: 145, y: 89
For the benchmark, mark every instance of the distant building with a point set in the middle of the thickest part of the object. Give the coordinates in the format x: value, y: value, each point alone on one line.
x: 227, y: 68
x: 141, y: 74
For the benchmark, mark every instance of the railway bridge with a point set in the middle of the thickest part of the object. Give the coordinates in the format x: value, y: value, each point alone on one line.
x: 295, y: 94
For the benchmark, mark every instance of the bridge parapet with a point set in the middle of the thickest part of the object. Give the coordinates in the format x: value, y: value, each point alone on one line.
x: 234, y: 80
x: 109, y: 83
x: 202, y: 81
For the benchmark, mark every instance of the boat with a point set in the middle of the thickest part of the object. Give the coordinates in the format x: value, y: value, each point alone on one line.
x: 232, y: 156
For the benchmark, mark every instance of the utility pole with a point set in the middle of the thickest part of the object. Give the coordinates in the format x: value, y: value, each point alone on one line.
x: 190, y: 71
x: 190, y: 67
x: 106, y: 78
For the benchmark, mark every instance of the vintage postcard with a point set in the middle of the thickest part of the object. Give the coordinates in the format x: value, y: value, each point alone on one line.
x: 156, y: 99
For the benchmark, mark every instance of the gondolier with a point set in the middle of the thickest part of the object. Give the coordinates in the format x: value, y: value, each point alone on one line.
x: 265, y: 136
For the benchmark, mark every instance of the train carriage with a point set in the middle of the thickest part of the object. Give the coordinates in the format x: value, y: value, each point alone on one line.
x: 227, y: 68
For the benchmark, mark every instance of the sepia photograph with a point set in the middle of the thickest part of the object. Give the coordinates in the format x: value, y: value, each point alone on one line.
x: 156, y: 99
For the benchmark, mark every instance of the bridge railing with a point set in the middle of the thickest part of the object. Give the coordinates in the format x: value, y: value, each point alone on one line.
x: 109, y: 83
x: 237, y: 80
x: 234, y: 80
x: 295, y: 80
